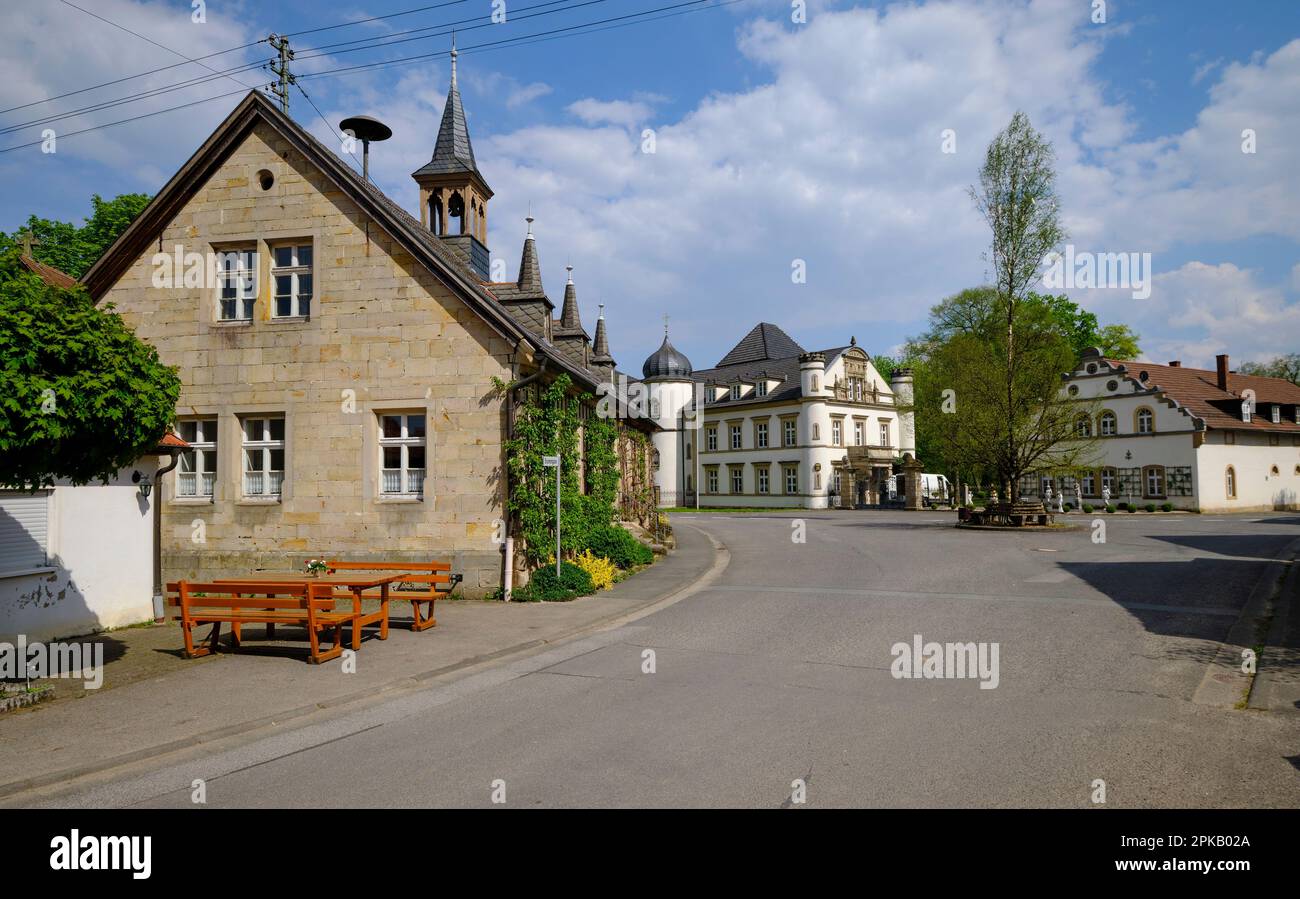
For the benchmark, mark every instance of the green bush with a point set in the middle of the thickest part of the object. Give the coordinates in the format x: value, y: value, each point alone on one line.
x: 546, y: 587
x: 1110, y: 508
x: 619, y: 546
x: 1151, y: 507
x: 1132, y: 507
x: 1087, y: 507
x: 1166, y: 507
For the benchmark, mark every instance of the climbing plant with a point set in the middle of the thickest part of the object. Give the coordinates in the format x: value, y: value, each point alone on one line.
x: 548, y: 423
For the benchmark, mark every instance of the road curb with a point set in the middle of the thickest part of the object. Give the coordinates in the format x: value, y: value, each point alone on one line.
x: 694, y: 581
x: 1224, y: 685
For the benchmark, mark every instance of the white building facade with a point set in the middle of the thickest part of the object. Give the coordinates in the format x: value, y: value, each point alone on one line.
x: 1194, y: 439
x: 773, y: 425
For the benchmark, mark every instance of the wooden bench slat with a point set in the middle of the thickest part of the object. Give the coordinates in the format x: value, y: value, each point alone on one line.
x: 431, y: 574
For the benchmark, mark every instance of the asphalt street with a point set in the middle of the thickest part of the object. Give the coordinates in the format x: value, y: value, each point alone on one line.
x: 780, y: 671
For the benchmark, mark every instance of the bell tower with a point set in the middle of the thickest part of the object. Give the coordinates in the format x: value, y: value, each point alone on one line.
x: 453, y: 193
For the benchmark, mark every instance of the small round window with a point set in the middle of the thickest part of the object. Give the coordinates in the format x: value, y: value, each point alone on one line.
x: 1112, y: 386
x: 1074, y: 390
x: 1092, y: 368
x: 1143, y: 377
x: 266, y: 179
x: 1274, y: 471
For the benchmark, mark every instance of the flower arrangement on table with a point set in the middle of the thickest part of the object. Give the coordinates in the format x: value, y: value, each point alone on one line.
x: 317, y: 567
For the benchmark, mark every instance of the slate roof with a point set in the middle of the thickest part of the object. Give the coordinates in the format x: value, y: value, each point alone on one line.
x: 764, y: 341
x: 453, y: 151
x: 1197, y: 390
x: 785, y: 369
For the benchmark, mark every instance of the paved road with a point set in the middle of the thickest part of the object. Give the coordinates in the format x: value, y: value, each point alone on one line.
x: 780, y: 670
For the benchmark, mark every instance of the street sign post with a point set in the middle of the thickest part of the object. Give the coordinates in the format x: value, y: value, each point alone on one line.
x: 554, y: 462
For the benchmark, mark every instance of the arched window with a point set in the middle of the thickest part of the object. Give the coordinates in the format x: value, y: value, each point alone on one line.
x: 1230, y: 482
x: 1107, y: 425
x: 1146, y: 421
x: 1153, y: 481
x: 1083, y: 426
x: 456, y: 212
x: 437, y: 215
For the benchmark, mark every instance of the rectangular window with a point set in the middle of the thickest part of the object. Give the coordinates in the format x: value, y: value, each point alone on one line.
x: 1108, y: 480
x: 1089, y: 483
x: 24, y: 530
x: 1155, y: 481
x: 763, y: 476
x: 760, y: 389
x: 857, y: 433
x: 263, y: 456
x: 791, y: 479
x: 735, y: 391
x: 402, y: 447
x: 884, y: 433
x: 737, y: 480
x: 760, y: 434
x: 735, y: 437
x: 711, y: 439
x: 196, y: 474
x: 291, y: 275
x: 1277, y: 414
x: 237, y: 280
x: 790, y: 434
x: 837, y: 437
x: 712, y: 474
x: 817, y: 480
x: 817, y: 432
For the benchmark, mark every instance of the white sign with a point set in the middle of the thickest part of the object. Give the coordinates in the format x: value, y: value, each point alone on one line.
x: 551, y: 461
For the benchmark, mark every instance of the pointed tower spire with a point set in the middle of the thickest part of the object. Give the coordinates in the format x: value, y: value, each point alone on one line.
x: 600, y: 346
x: 569, y: 319
x: 453, y: 193
x: 530, y: 273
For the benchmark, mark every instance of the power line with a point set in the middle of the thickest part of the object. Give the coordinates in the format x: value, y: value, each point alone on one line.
x: 327, y: 122
x: 150, y: 40
x: 134, y: 118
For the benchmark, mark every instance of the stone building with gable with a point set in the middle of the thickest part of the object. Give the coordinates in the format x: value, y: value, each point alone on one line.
x: 338, y: 373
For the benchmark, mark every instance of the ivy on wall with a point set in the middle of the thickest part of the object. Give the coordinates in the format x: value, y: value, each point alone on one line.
x: 548, y: 422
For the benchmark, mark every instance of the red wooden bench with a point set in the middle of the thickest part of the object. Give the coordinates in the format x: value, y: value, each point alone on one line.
x: 310, y: 606
x: 434, y: 577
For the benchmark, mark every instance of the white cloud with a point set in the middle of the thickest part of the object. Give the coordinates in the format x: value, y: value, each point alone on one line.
x: 611, y: 112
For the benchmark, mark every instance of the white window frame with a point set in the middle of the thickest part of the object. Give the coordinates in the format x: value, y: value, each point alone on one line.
x: 712, y: 479
x: 760, y: 435
x: 240, y: 279
x: 736, y: 477
x: 735, y: 391
x: 763, y: 478
x: 1150, y: 424
x: 790, y: 432
x: 299, y: 303
x: 737, y: 437
x: 199, y: 481
x: 24, y: 529
x: 711, y: 439
x: 1105, y: 417
x: 857, y: 433
x: 791, y: 478
x: 837, y: 432
x: 407, y: 479
x: 884, y: 434
x: 268, y: 485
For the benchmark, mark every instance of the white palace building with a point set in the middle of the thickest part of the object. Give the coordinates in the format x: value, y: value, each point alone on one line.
x: 775, y: 425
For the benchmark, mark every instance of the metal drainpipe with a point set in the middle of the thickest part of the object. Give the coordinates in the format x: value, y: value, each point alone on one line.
x: 508, y: 583
x: 159, y: 611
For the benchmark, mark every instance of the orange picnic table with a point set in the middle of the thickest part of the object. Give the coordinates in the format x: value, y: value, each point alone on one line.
x: 356, y: 583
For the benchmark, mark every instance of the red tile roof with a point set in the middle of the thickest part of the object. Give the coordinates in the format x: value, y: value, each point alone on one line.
x: 1198, y: 391
x: 48, y: 273
x: 170, y: 441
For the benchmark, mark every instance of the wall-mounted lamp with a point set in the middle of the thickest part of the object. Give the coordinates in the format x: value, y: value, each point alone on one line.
x: 145, y: 484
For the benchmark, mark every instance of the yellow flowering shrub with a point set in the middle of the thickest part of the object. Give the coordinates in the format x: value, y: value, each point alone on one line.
x: 601, y: 569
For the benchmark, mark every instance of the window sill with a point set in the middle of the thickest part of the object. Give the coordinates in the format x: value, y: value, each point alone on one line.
x: 191, y: 501
x: 290, y: 319
x: 397, y: 499
x: 28, y: 572
x: 233, y: 323
x: 258, y: 501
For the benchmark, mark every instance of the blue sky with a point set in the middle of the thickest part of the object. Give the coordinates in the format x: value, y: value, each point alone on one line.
x: 775, y: 142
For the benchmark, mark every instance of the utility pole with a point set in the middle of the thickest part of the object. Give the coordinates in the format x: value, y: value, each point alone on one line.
x: 281, y: 88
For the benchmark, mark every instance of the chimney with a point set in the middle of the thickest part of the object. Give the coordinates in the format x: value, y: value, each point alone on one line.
x: 1222, y: 360
x: 1175, y: 364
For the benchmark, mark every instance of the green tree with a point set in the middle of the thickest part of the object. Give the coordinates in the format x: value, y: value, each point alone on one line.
x: 1286, y: 367
x: 80, y: 396
x: 74, y: 249
x: 1118, y: 342
x: 987, y: 413
x: 1084, y: 331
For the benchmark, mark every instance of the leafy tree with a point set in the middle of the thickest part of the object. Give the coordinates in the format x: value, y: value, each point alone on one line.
x: 1004, y: 416
x: 1084, y: 331
x: 1118, y: 342
x: 74, y: 249
x: 80, y: 396
x: 1286, y: 367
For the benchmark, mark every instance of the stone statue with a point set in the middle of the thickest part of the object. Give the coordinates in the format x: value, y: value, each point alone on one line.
x: 1060, y: 500
x: 1105, y: 496
x: 1047, y: 495
x: 1078, y: 497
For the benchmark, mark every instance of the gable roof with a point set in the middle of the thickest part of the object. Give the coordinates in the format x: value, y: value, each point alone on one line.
x: 47, y: 273
x: 1197, y: 390
x: 764, y: 341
